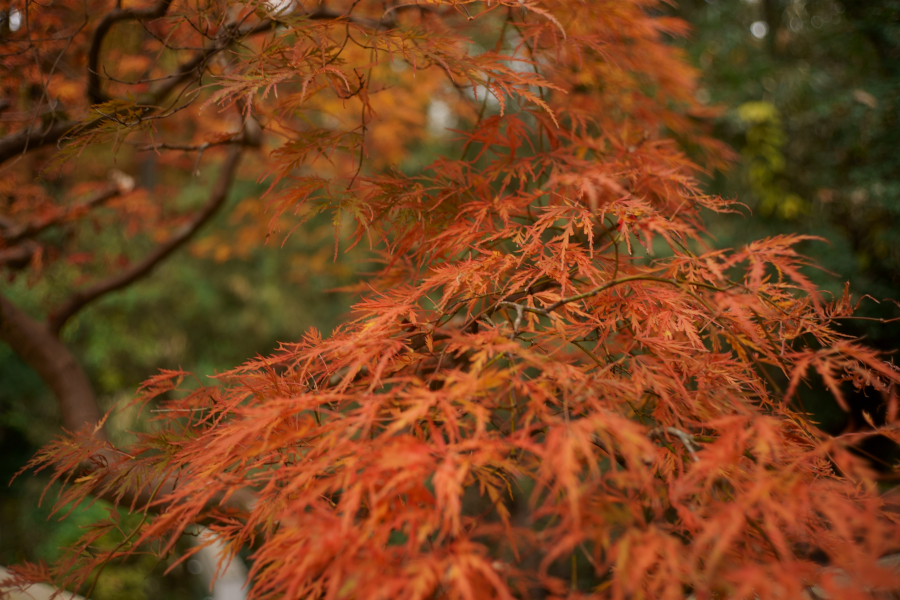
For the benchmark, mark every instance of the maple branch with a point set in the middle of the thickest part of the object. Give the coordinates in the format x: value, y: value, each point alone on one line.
x: 31, y: 139
x: 615, y: 282
x: 216, y: 199
x: 121, y: 184
x: 42, y: 350
x: 28, y: 139
x: 95, y: 94
x: 19, y: 256
x: 40, y: 347
x: 686, y: 439
x: 545, y: 312
x: 322, y: 14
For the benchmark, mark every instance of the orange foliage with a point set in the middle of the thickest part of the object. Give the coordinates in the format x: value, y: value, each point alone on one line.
x: 552, y: 387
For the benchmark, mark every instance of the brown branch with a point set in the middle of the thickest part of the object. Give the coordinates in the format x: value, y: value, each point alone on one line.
x: 686, y: 439
x: 19, y: 256
x: 40, y: 347
x: 31, y: 139
x: 42, y: 350
x: 121, y: 184
x: 28, y: 139
x: 327, y: 15
x: 95, y: 94
x: 615, y: 282
x: 216, y: 199
x: 545, y: 312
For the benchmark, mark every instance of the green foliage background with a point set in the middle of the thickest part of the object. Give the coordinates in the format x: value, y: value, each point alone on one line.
x: 813, y: 108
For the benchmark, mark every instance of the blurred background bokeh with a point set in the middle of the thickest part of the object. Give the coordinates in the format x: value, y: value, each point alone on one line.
x: 809, y: 92
x: 811, y: 96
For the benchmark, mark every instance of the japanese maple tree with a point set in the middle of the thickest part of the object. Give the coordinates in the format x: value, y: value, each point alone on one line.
x: 550, y: 387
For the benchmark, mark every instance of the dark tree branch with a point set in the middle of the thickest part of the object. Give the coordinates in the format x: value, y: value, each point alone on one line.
x: 216, y: 199
x: 30, y: 139
x: 60, y: 371
x: 20, y: 255
x: 15, y: 234
x: 39, y: 347
x: 95, y: 94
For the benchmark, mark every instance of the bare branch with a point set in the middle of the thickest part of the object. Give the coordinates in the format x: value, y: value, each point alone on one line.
x: 95, y: 94
x: 122, y: 184
x: 31, y: 139
x: 686, y: 439
x: 216, y: 199
x: 42, y: 350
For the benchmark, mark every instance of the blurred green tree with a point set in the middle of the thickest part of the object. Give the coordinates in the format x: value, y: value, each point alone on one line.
x: 812, y: 96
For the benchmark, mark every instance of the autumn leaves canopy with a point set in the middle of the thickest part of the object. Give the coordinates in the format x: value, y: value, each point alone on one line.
x: 550, y: 386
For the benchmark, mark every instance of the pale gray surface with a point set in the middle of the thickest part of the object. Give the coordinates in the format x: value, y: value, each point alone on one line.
x: 37, y: 591
x: 229, y: 585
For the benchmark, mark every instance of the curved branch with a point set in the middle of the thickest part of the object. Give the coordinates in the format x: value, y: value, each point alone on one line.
x: 31, y: 139
x: 216, y: 199
x: 19, y: 256
x: 28, y: 139
x: 95, y: 94
x: 37, y: 345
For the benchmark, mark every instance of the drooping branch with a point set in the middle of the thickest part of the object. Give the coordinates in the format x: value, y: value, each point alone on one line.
x: 545, y: 312
x: 216, y: 199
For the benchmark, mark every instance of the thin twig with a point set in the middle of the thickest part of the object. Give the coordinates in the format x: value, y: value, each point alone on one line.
x: 686, y: 439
